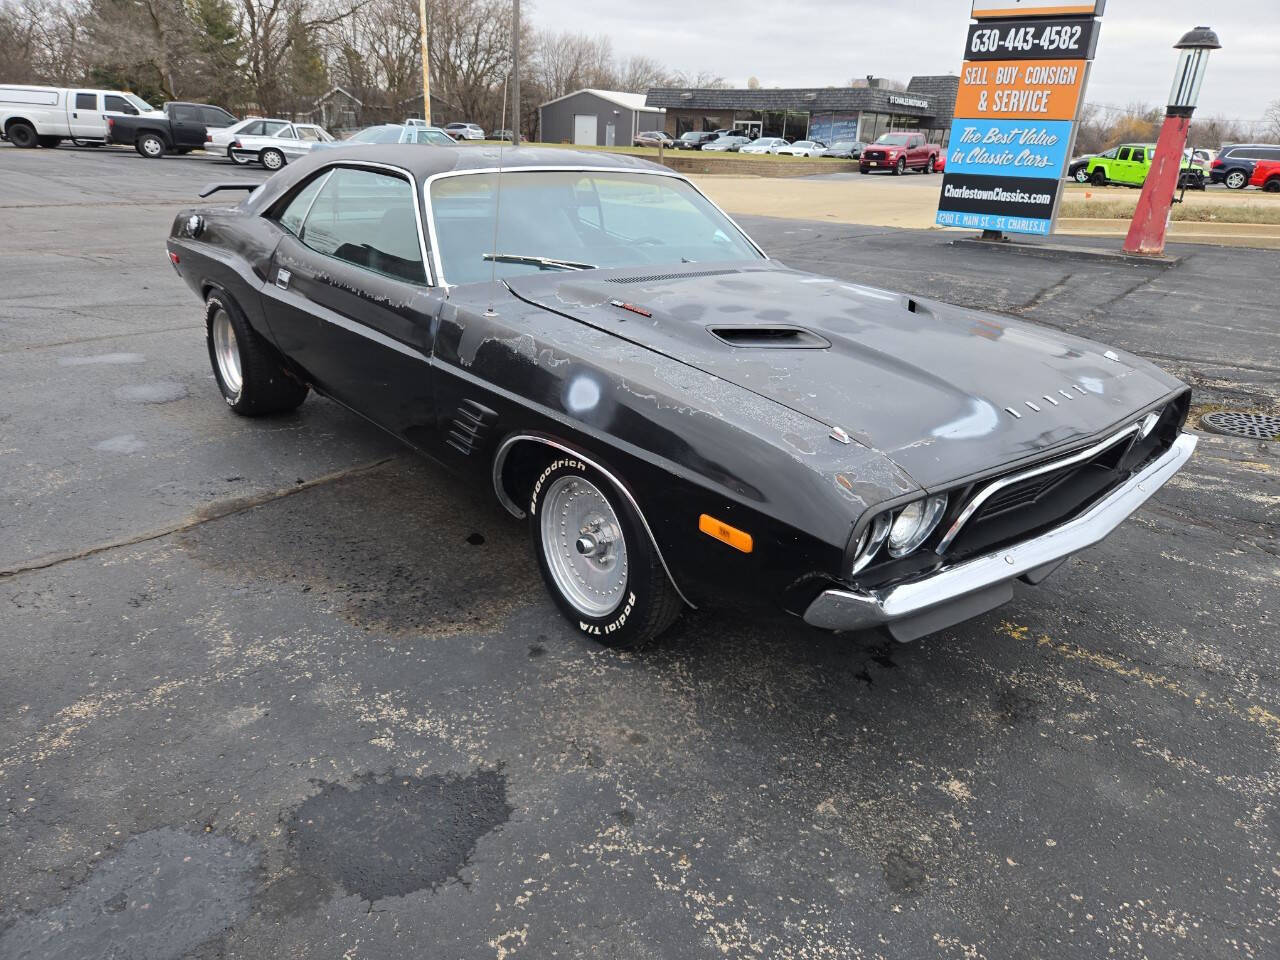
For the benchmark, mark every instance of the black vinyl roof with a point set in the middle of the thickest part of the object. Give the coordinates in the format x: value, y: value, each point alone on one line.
x: 425, y: 160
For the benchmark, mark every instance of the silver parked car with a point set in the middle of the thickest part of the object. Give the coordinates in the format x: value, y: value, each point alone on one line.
x: 802, y: 148
x: 277, y: 145
x: 844, y: 150
x: 726, y: 144
x: 414, y: 132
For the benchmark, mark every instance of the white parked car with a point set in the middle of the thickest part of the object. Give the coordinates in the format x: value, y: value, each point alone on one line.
x: 764, y: 145
x: 219, y: 141
x: 464, y: 131
x: 802, y: 148
x: 277, y: 145
x: 45, y: 116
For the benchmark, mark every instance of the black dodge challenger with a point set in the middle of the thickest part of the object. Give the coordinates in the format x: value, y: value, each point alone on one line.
x: 683, y: 421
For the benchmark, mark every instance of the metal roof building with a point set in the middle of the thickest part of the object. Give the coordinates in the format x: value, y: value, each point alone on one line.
x: 603, y: 118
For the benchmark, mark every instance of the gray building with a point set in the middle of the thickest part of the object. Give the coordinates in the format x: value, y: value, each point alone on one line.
x: 602, y: 118
x: 817, y: 113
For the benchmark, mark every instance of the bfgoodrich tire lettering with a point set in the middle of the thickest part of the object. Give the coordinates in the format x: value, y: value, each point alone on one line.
x: 627, y: 612
x: 247, y: 368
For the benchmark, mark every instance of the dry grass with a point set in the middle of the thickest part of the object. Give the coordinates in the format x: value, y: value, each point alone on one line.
x: 1197, y: 209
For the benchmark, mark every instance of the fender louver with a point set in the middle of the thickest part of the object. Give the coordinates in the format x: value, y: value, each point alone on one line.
x: 470, y: 426
x: 776, y: 337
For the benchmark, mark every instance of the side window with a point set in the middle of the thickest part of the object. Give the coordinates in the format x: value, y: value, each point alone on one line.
x: 367, y: 219
x: 1123, y: 154
x: 307, y: 133
x: 213, y: 117
x: 298, y: 208
x: 252, y: 130
x: 186, y: 114
x: 273, y: 128
x: 118, y: 104
x: 86, y: 101
x: 286, y: 133
x: 1271, y: 153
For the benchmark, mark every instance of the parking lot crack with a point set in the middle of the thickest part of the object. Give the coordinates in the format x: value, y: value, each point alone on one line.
x: 214, y: 511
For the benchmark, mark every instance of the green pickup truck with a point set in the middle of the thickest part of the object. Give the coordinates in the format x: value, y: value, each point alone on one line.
x: 1127, y: 165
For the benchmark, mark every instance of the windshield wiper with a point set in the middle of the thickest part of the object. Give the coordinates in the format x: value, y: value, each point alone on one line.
x: 543, y: 263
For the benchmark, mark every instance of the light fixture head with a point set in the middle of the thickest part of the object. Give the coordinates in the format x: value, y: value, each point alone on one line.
x: 1201, y: 38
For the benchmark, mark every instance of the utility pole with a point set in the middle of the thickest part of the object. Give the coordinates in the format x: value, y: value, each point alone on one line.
x: 426, y: 62
x: 515, y: 70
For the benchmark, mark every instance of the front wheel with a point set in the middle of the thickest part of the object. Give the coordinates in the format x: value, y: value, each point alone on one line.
x: 901, y: 168
x: 150, y: 146
x: 928, y: 165
x: 248, y: 370
x: 271, y: 158
x: 596, y: 558
x: 1099, y: 177
x: 1236, y: 180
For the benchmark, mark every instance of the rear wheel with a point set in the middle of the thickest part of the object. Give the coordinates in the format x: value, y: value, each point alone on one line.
x: 928, y: 165
x: 1272, y: 185
x: 22, y: 134
x: 150, y: 146
x: 1235, y: 180
x: 248, y: 370
x: 596, y: 558
x: 271, y: 158
x: 238, y: 160
x: 1099, y: 177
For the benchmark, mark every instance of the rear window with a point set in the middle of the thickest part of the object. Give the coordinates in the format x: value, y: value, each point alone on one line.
x: 14, y: 95
x: 86, y: 101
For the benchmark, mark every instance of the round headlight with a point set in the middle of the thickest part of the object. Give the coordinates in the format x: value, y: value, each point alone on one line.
x: 913, y: 524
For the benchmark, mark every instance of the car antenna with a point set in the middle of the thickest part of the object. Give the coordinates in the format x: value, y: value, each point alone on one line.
x: 497, y: 199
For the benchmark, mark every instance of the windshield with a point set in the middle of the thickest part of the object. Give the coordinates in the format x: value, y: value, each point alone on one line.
x: 691, y: 135
x: 431, y: 135
x: 601, y: 218
x: 377, y: 135
x: 139, y: 103
x: 894, y: 139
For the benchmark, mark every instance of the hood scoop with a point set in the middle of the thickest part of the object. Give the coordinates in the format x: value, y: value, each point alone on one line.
x: 776, y: 337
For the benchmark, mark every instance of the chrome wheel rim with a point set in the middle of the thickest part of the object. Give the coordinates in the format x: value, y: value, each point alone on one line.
x: 226, y: 352
x: 1082, y: 176
x: 272, y: 161
x: 584, y: 546
x: 151, y: 147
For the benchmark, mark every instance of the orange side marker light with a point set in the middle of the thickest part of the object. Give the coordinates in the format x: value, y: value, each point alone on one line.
x: 738, y: 539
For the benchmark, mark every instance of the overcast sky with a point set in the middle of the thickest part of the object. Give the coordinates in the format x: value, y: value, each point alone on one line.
x: 801, y: 43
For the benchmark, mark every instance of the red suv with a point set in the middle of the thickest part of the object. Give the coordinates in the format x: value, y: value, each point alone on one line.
x: 1266, y: 174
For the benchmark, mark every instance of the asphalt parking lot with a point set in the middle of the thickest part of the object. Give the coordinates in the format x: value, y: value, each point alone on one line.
x: 281, y: 689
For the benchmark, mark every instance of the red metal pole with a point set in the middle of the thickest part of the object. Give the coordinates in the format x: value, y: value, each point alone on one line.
x: 1151, y: 219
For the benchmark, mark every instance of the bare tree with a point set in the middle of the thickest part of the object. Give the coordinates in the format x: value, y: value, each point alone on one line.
x: 702, y: 80
x: 1271, y: 122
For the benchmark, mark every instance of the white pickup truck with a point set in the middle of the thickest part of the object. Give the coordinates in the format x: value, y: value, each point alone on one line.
x: 45, y: 116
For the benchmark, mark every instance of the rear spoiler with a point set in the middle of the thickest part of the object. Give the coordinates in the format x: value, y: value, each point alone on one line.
x: 232, y: 185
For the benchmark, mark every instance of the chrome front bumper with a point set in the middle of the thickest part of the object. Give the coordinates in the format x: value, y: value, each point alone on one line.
x: 858, y: 610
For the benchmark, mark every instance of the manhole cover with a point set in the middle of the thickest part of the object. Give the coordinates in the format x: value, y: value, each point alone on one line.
x: 1255, y: 426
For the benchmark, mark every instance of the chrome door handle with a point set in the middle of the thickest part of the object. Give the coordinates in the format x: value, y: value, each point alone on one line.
x: 282, y: 279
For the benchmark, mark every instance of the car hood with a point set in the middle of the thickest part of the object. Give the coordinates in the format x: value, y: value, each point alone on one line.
x: 929, y: 385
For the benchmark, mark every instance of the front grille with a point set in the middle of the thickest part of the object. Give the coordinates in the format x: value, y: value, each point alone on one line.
x: 1033, y: 489
x: 873, y: 154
